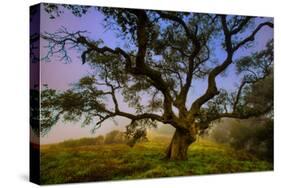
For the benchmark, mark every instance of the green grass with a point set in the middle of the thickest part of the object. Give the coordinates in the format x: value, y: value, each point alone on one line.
x: 84, y: 162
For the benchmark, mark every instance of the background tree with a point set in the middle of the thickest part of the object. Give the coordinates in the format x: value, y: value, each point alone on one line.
x: 166, y: 52
x: 254, y: 135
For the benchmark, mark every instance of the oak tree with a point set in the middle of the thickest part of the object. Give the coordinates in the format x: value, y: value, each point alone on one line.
x: 165, y: 53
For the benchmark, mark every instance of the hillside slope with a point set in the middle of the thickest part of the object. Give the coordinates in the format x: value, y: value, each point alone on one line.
x: 78, y: 161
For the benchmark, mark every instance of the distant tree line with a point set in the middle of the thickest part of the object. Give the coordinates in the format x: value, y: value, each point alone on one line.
x: 113, y: 137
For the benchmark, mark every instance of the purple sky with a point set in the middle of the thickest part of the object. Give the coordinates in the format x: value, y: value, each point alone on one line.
x: 59, y: 75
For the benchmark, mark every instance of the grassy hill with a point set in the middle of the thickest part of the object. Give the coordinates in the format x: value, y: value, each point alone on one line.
x: 81, y: 161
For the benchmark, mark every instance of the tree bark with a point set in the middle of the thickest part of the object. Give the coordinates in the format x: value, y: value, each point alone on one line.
x: 180, y: 142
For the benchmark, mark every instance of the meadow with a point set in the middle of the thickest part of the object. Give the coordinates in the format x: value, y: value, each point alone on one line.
x: 83, y: 161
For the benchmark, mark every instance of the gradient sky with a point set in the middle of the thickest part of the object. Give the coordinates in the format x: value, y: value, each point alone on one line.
x: 59, y: 75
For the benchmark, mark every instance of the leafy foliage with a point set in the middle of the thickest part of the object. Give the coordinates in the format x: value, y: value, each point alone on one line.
x: 259, y: 64
x: 71, y: 105
x: 55, y: 10
x: 34, y: 111
x: 136, y: 130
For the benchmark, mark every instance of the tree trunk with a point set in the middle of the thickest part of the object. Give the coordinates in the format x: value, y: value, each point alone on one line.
x: 180, y: 142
